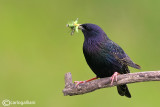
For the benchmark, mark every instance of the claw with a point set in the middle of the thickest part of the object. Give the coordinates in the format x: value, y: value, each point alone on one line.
x: 114, y: 76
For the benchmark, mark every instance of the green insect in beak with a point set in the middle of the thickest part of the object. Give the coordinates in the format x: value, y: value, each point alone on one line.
x: 74, y: 26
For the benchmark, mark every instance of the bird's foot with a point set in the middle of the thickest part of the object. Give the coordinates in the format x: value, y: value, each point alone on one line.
x: 114, y: 76
x: 79, y: 82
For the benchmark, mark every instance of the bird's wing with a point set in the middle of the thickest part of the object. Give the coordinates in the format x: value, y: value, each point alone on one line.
x: 117, y: 52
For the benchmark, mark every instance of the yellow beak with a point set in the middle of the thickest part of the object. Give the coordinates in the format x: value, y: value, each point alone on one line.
x: 76, y: 24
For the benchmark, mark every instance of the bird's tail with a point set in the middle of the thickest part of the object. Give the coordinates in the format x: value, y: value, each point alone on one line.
x: 123, y: 90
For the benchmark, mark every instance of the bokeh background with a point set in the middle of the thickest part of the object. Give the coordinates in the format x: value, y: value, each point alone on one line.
x: 36, y: 49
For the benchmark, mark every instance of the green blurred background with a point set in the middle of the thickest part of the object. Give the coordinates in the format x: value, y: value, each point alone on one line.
x: 36, y: 49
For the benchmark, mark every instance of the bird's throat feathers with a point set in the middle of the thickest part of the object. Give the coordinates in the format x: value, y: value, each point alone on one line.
x: 94, y: 44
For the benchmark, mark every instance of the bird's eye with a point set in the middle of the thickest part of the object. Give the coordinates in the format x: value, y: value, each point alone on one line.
x: 86, y: 28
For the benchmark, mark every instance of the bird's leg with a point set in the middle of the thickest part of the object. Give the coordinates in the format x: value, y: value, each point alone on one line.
x: 91, y: 79
x: 114, y: 76
x: 79, y: 82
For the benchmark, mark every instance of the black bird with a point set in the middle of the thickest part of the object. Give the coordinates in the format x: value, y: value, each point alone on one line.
x: 104, y: 56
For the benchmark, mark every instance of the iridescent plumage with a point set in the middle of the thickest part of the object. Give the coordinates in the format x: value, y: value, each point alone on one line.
x: 104, y: 56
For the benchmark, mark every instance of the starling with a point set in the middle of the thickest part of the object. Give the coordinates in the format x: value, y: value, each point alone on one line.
x: 105, y: 57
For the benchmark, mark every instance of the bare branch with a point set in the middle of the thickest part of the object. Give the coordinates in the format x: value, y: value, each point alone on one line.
x: 71, y: 89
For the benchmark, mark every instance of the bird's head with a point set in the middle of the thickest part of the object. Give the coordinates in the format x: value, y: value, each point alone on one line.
x: 91, y: 30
